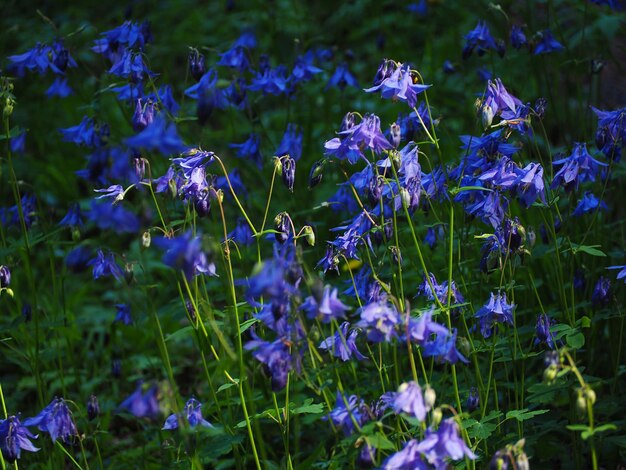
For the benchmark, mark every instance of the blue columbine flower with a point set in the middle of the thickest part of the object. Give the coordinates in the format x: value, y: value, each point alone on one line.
x: 479, y: 39
x: 250, y: 150
x: 440, y: 291
x: 622, y: 272
x: 105, y: 265
x: 496, y: 310
x: 85, y: 133
x: 192, y: 413
x: 5, y: 276
x: 409, y: 399
x: 303, y: 69
x: 160, y: 135
x: 611, y: 132
x: 277, y: 358
x: 473, y: 399
x: 59, y: 88
x: 128, y: 34
x: 547, y: 43
x: 15, y: 437
x: 208, y: 94
x: 140, y: 404
x: 73, y: 218
x: 145, y: 110
x: 542, y: 331
x: 291, y: 143
x: 342, y: 344
x: 518, y: 38
x: 408, y: 458
x: 399, y: 85
x: 116, y: 192
x: 381, y: 320
x: 578, y: 168
x: 242, y: 233
x: 235, y: 58
x: 342, y: 77
x: 107, y: 216
x: 184, y: 253
x: 123, y: 314
x: 131, y: 66
x: 601, y: 292
x: 589, y: 203
x: 273, y: 81
x: 326, y: 309
x: 529, y: 184
x: 55, y: 419
x: 445, y: 443
x: 349, y: 412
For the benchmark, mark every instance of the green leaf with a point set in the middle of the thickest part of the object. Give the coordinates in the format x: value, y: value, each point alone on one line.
x: 380, y: 441
x: 308, y: 408
x: 590, y: 250
x: 575, y: 340
x: 247, y: 324
x: 227, y: 385
x: 522, y: 415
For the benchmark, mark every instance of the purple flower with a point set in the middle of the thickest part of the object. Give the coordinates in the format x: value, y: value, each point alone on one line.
x: 601, y: 292
x: 342, y: 344
x: 342, y: 77
x: 123, y: 314
x: 18, y: 143
x: 15, y: 437
x: 105, y: 265
x: 242, y: 233
x: 291, y: 143
x: 473, y: 399
x: 368, y: 134
x: 409, y: 400
x: 192, y: 413
x: 73, y: 218
x: 5, y: 277
x: 235, y: 58
x: 622, y: 272
x: 380, y: 319
x: 611, y: 132
x: 547, y: 43
x: 276, y: 357
x: 130, y: 66
x: 184, y: 253
x: 496, y: 310
x: 208, y: 94
x: 160, y: 135
x: 579, y: 167
x: 126, y: 35
x: 529, y: 184
x: 107, y: 216
x: 303, y: 69
x: 326, y: 309
x: 272, y: 81
x: 59, y: 88
x: 142, y: 405
x: 93, y: 408
x: 409, y: 458
x: 518, y: 38
x: 197, y: 66
x: 445, y: 443
x: 399, y: 85
x: 348, y: 414
x: 480, y: 39
x: 250, y: 150
x: 85, y: 133
x: 55, y: 419
x: 440, y: 291
x: 116, y: 192
x: 542, y: 331
x: 498, y: 101
x: 144, y: 114
x: 589, y: 203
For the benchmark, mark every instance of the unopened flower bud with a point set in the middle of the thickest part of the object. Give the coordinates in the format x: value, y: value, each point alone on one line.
x: 549, y: 374
x: 591, y: 396
x: 437, y: 415
x: 395, y: 254
x: 396, y: 134
x: 487, y: 115
x: 429, y: 396
x: 317, y: 173
x: 5, y: 276
x: 289, y: 172
x: 278, y: 166
x: 581, y: 402
x: 309, y: 235
x: 146, y: 239
x: 93, y: 408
